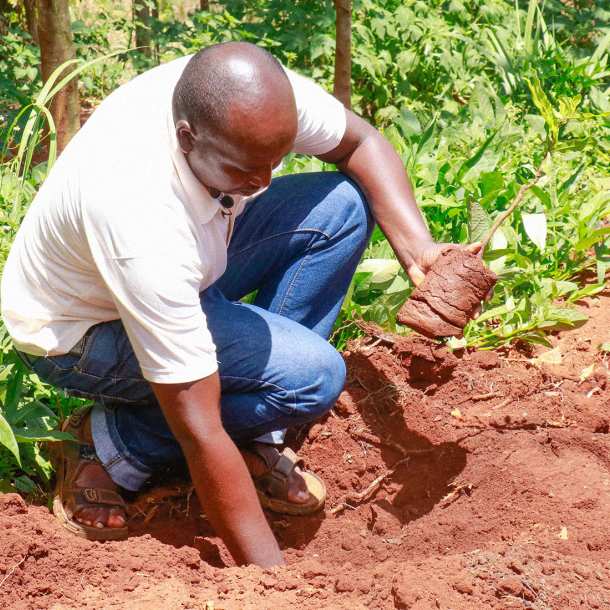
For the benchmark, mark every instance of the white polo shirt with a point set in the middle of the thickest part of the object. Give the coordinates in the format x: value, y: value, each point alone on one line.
x: 121, y: 228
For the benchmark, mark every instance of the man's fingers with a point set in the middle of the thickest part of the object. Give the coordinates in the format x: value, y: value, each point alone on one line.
x: 415, y: 274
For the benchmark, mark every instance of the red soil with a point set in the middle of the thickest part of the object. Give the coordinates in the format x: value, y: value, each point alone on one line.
x: 497, y: 495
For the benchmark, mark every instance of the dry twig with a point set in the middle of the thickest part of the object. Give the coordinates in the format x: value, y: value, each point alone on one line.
x: 12, y: 570
x: 373, y: 440
x: 365, y: 494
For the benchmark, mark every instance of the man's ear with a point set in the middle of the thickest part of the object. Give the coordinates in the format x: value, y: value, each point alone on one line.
x: 185, y: 136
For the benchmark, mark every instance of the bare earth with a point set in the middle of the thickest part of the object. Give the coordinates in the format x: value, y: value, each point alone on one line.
x: 474, y: 480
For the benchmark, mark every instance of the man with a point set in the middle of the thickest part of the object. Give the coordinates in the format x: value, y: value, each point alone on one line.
x: 124, y: 281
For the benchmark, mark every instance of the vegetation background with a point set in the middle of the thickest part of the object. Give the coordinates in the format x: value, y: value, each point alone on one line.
x: 473, y: 94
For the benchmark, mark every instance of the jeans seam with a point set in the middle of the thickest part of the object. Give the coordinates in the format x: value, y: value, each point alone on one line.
x: 113, y: 378
x: 291, y: 285
x: 302, y: 230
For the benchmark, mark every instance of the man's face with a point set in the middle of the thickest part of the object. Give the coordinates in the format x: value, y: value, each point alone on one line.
x: 234, y: 168
x: 239, y: 160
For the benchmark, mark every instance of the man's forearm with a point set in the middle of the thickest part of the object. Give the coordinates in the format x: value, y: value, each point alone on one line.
x: 373, y: 163
x: 218, y: 471
x: 229, y: 500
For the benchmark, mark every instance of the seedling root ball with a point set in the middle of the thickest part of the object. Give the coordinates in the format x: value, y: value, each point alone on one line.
x: 448, y: 298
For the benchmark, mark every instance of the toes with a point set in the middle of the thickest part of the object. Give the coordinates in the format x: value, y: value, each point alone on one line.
x: 94, y: 517
x: 298, y: 488
x: 116, y: 518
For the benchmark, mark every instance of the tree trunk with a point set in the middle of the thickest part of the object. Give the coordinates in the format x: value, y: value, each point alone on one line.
x: 31, y: 18
x: 343, y: 52
x: 143, y: 13
x: 5, y: 9
x: 56, y: 47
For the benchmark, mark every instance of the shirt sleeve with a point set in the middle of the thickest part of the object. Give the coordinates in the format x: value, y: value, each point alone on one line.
x: 156, y: 293
x: 321, y: 116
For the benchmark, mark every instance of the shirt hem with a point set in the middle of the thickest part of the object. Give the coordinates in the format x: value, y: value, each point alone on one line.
x: 185, y: 376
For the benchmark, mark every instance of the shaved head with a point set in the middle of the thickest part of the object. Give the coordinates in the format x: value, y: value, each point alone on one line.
x: 228, y: 79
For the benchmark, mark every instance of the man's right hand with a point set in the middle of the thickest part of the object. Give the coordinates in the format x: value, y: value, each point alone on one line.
x: 219, y: 473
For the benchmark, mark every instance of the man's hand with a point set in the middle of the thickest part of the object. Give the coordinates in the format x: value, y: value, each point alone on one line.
x: 218, y: 471
x: 426, y: 254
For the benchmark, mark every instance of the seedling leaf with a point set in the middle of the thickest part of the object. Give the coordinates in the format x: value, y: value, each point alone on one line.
x: 479, y: 221
x: 535, y: 228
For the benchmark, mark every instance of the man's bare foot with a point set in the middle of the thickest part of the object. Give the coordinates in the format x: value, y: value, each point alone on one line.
x: 297, y: 488
x: 94, y: 475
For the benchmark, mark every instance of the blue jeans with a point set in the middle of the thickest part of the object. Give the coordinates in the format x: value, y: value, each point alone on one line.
x: 298, y: 245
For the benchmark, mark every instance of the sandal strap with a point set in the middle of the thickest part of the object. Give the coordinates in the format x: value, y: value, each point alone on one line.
x: 87, y: 452
x: 76, y: 417
x: 281, y: 465
x: 88, y: 496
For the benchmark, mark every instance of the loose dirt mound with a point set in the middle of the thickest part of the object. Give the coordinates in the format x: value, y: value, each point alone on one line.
x: 473, y: 480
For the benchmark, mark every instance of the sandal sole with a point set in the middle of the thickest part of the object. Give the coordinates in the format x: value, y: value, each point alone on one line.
x: 316, y: 488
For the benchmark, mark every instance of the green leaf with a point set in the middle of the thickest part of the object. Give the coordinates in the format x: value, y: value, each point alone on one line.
x: 33, y: 435
x: 542, y: 103
x: 587, y: 242
x: 7, y: 438
x: 475, y: 158
x: 479, y: 222
x: 382, y: 270
x: 491, y: 182
x: 535, y: 228
x: 25, y: 484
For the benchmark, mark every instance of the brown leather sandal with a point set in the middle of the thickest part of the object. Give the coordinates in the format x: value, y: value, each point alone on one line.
x: 272, y: 486
x: 69, y: 458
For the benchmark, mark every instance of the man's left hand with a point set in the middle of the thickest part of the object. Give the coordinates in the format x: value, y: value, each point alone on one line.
x: 427, y: 254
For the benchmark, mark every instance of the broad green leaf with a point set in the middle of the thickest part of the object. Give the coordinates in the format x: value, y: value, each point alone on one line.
x: 498, y: 242
x: 491, y: 182
x: 25, y: 484
x: 535, y: 228
x: 479, y: 222
x: 7, y: 438
x: 382, y: 270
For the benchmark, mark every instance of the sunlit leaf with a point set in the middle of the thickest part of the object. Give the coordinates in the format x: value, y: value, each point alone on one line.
x: 535, y: 227
x: 7, y: 438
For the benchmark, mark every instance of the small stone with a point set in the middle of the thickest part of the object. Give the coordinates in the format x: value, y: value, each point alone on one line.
x: 269, y: 582
x: 582, y: 571
x: 311, y: 568
x: 12, y: 504
x: 345, y: 405
x: 405, y: 594
x: 463, y: 586
x: 314, y: 432
x: 344, y: 584
x: 511, y: 585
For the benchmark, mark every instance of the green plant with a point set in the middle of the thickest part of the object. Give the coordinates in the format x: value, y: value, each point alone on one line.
x: 29, y: 412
